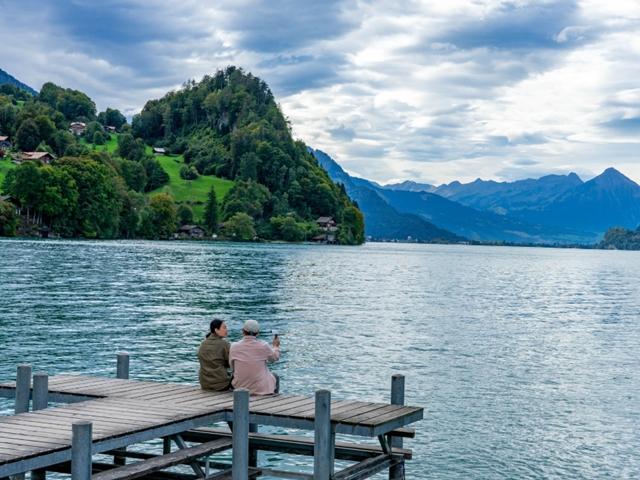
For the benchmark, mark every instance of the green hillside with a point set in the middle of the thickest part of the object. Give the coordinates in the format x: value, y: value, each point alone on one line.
x: 189, y: 192
x: 193, y: 192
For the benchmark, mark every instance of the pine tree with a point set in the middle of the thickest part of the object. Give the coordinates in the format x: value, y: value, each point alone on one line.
x: 211, y: 211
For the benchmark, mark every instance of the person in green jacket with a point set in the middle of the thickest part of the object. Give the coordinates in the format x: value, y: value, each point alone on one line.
x: 213, y: 355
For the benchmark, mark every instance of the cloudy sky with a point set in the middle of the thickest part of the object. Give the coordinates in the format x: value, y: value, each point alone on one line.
x: 431, y: 91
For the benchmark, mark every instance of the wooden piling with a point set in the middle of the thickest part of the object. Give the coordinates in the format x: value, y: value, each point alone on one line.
x: 81, y: 450
x: 40, y: 402
x: 40, y: 391
x: 325, y: 439
x: 123, y: 365
x: 23, y: 388
x: 396, y: 472
x: 122, y: 372
x: 240, y: 467
x: 253, y: 452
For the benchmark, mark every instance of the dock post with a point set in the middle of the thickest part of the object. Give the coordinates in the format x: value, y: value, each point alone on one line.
x: 253, y: 452
x: 325, y: 438
x: 40, y: 402
x: 123, y: 365
x: 396, y: 472
x: 122, y: 372
x: 40, y: 391
x: 81, y: 450
x: 23, y: 388
x: 240, y: 469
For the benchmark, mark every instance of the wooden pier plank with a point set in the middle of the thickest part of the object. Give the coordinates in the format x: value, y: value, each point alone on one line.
x: 136, y: 410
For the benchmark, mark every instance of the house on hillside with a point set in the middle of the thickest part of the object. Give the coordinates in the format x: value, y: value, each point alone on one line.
x: 5, y: 144
x: 328, y: 227
x: 110, y: 129
x: 159, y: 151
x: 190, y: 231
x: 44, y: 157
x: 77, y: 128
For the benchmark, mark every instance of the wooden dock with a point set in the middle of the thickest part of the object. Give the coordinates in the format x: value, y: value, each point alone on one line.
x: 106, y: 415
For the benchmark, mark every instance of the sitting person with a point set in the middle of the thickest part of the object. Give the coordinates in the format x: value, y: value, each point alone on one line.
x: 213, y: 355
x: 249, y: 358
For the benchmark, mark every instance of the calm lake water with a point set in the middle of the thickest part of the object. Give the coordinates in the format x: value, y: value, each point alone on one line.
x: 526, y: 360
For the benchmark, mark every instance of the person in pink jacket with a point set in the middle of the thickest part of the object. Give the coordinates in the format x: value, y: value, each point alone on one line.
x: 249, y: 358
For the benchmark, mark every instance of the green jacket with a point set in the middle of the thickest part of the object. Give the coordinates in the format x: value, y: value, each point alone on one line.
x: 213, y: 355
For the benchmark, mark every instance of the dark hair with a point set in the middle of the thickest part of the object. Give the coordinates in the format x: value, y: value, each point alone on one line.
x: 213, y: 326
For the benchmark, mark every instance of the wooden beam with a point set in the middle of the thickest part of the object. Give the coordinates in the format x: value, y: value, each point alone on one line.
x: 155, y: 464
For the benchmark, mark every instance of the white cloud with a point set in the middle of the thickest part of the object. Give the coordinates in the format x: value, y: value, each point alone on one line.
x: 441, y: 90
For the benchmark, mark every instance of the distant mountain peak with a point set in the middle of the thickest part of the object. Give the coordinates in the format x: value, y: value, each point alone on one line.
x: 612, y: 178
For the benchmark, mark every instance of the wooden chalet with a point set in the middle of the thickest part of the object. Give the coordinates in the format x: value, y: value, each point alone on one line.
x: 159, y: 151
x: 110, y: 129
x: 5, y: 144
x: 77, y: 128
x: 44, y: 157
x: 191, y: 231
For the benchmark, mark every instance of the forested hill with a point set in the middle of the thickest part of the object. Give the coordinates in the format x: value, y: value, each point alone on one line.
x: 5, y: 78
x: 229, y: 125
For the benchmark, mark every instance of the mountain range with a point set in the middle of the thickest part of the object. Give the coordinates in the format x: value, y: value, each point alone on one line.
x: 558, y: 209
x: 7, y: 78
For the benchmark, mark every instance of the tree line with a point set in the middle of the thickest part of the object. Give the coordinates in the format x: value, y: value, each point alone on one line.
x: 227, y: 125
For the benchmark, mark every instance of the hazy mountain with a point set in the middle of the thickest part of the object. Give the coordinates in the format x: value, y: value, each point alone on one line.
x: 410, y: 186
x: 446, y: 214
x: 6, y: 78
x: 382, y: 221
x: 608, y: 200
x: 507, y: 197
x: 479, y: 225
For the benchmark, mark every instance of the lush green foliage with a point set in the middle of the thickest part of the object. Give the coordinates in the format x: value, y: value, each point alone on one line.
x: 211, y: 211
x: 8, y: 219
x: 227, y: 125
x: 230, y: 125
x: 621, y: 239
x: 5, y: 166
x: 112, y: 118
x: 239, y: 228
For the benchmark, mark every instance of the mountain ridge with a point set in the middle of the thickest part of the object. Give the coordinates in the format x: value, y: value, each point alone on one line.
x: 6, y: 77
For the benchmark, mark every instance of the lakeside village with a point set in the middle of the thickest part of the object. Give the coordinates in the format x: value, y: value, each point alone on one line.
x: 326, y: 226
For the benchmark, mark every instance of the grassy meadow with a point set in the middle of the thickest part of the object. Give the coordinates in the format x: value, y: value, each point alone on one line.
x: 192, y: 192
x: 5, y: 166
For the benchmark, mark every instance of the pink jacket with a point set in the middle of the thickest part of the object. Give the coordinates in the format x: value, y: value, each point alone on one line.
x: 248, y: 359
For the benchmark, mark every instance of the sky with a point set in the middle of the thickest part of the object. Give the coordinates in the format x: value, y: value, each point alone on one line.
x: 430, y: 91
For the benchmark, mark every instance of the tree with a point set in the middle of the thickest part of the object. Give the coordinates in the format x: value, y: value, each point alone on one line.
x: 130, y: 148
x: 239, y: 228
x: 156, y: 176
x: 112, y: 118
x: 98, y: 138
x: 248, y: 197
x: 8, y: 117
x: 134, y: 175
x: 46, y: 128
x: 160, y: 217
x: 287, y: 229
x: 60, y: 141
x: 185, y: 214
x: 28, y: 136
x: 8, y: 219
x: 211, y: 211
x: 92, y: 129
x: 99, y: 201
x: 188, y: 172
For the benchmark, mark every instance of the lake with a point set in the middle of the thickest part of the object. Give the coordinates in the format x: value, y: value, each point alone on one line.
x: 526, y: 360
